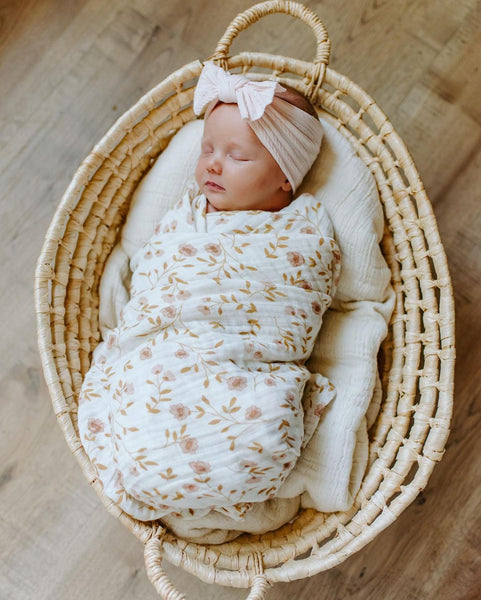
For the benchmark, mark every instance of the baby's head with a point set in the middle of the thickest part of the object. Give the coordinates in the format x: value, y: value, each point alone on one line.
x: 259, y: 141
x: 235, y: 171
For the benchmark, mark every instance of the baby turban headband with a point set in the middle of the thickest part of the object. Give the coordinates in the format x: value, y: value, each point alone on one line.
x: 292, y: 136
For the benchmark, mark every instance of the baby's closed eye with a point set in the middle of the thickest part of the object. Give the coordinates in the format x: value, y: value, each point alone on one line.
x: 239, y: 156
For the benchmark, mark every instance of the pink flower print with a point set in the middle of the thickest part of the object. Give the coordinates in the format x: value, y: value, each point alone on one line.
x: 319, y: 410
x: 253, y: 412
x: 276, y: 217
x: 129, y: 389
x: 187, y: 250
x: 270, y: 382
x: 145, y: 354
x: 316, y: 308
x: 290, y: 397
x: 95, y: 425
x: 168, y: 376
x: 258, y: 355
x: 157, y: 369
x: 249, y: 347
x: 159, y: 252
x: 237, y: 383
x: 302, y: 313
x: 179, y: 411
x: 119, y: 480
x: 254, y: 479
x: 112, y: 340
x: 142, y: 300
x: 148, y: 255
x: 295, y: 259
x: 141, y: 317
x: 201, y: 467
x: 168, y: 297
x: 190, y: 487
x: 133, y: 471
x: 305, y: 285
x: 213, y: 249
x: 189, y: 445
x: 286, y: 466
x: 183, y: 295
x: 290, y: 310
x: 100, y: 360
x: 308, y: 229
x: 203, y: 309
x: 181, y: 353
x: 169, y: 311
x: 278, y: 456
x: 157, y: 229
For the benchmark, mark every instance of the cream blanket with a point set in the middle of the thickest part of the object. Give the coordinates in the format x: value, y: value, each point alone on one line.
x: 194, y: 401
x: 329, y: 472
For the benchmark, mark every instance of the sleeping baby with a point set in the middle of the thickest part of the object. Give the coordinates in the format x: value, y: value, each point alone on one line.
x: 200, y: 399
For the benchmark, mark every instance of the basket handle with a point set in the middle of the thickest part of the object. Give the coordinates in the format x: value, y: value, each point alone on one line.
x: 165, y: 588
x: 243, y: 20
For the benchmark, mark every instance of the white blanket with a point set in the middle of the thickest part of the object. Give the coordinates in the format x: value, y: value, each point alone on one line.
x: 329, y: 472
x: 194, y: 401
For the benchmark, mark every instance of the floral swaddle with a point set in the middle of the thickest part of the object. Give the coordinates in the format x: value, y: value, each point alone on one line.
x: 199, y: 400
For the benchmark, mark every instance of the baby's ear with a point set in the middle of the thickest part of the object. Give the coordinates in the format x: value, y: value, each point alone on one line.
x: 286, y: 186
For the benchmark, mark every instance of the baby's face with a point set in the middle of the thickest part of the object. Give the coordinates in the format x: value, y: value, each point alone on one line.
x: 235, y: 171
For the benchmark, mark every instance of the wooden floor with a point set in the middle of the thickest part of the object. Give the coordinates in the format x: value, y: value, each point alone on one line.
x: 68, y: 69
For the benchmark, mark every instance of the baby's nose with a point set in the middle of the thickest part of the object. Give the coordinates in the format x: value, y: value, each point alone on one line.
x: 214, y: 163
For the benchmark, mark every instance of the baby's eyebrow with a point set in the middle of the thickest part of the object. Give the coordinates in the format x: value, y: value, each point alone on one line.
x: 236, y: 148
x: 234, y: 145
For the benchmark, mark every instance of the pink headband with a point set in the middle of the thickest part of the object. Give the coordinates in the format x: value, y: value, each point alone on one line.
x: 292, y: 136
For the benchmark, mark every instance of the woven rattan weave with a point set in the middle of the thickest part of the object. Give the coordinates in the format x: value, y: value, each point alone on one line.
x: 411, y: 430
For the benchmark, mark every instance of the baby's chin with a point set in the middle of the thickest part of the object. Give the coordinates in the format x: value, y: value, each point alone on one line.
x: 218, y: 204
x: 210, y: 208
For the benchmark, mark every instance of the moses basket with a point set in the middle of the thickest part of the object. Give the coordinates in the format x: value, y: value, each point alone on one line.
x: 410, y: 433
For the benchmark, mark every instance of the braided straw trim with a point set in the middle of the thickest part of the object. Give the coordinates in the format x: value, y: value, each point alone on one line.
x: 411, y: 430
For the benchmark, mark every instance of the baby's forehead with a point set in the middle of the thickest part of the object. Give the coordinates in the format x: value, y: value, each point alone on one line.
x: 223, y: 124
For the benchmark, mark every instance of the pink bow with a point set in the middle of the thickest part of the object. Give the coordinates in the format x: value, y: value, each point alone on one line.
x: 251, y: 97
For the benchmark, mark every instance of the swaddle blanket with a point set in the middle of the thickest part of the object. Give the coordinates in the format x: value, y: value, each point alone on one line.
x: 199, y: 399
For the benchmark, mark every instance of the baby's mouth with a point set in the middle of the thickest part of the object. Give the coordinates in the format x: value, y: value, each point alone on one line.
x: 212, y: 185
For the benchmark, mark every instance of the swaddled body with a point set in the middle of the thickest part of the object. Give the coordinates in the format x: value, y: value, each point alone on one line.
x: 195, y: 401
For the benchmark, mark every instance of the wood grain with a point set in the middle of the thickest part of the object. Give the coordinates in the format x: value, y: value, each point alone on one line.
x: 68, y: 69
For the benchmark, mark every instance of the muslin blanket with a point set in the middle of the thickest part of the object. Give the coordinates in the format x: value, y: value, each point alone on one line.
x: 200, y: 399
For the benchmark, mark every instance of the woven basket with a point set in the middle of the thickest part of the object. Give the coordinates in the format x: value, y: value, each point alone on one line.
x: 411, y: 430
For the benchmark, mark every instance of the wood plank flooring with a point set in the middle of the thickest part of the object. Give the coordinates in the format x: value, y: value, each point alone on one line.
x: 68, y: 69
